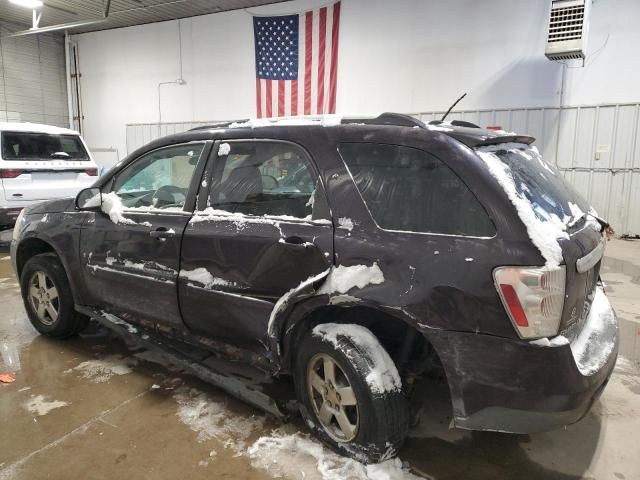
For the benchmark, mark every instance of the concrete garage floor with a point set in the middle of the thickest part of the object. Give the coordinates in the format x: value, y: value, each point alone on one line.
x: 93, y: 407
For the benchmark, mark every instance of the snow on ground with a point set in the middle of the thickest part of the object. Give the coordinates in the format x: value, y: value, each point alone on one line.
x: 41, y: 406
x: 295, y: 456
x: 214, y: 420
x: 384, y: 377
x: 343, y: 278
x: 100, y: 371
x: 282, y: 453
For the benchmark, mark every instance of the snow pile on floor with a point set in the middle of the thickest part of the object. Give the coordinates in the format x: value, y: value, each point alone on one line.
x: 100, y: 371
x: 203, y: 277
x: 112, y: 206
x: 592, y: 347
x: 295, y: 456
x: 543, y: 234
x: 384, y: 377
x: 214, y: 420
x: 342, y: 278
x: 41, y: 406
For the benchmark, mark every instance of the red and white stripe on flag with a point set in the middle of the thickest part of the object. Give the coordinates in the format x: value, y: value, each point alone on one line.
x: 314, y: 92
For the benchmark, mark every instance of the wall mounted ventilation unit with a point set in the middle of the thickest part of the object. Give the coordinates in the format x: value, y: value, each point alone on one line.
x: 568, y: 26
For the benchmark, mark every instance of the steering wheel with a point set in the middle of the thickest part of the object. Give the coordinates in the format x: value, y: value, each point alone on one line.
x: 165, y: 196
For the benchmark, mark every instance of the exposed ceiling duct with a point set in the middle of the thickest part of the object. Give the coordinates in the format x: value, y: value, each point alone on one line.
x: 92, y: 15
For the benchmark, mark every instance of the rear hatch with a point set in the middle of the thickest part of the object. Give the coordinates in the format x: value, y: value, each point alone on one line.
x: 41, y: 166
x: 580, y: 232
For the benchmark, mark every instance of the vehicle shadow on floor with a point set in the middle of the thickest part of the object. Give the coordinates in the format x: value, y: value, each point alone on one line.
x: 435, y: 450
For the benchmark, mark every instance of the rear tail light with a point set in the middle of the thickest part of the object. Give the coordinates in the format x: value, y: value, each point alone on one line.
x: 92, y: 172
x: 533, y: 298
x: 11, y: 173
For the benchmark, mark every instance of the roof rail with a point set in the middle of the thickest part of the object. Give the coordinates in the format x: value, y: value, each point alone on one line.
x: 210, y: 126
x: 386, y: 118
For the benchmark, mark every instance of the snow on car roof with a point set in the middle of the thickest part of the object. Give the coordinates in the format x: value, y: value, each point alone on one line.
x: 35, y: 128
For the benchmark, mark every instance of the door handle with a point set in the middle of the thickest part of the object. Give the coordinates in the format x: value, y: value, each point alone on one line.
x: 295, y: 241
x: 162, y: 233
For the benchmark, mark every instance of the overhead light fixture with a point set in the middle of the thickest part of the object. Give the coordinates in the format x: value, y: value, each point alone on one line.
x: 33, y: 4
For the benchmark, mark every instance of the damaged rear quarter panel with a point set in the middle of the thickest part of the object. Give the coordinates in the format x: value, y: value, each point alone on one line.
x: 437, y: 281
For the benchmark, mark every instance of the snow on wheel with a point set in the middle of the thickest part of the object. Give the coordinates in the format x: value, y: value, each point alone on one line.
x: 350, y: 392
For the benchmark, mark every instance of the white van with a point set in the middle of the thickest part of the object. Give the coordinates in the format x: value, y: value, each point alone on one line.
x: 40, y: 162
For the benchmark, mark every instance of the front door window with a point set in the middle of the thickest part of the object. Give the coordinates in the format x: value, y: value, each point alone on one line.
x: 159, y: 179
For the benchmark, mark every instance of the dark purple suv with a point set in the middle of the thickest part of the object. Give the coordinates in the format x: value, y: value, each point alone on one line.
x: 353, y: 254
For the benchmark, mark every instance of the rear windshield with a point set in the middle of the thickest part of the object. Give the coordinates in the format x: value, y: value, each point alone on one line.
x: 42, y: 146
x: 541, y: 184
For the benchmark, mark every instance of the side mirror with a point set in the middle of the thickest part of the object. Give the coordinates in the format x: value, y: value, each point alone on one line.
x: 89, y: 199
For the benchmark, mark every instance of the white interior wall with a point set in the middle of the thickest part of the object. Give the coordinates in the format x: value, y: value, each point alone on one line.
x: 406, y: 55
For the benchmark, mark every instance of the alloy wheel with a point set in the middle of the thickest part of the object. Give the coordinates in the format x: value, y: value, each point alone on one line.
x: 333, y: 398
x: 43, y: 297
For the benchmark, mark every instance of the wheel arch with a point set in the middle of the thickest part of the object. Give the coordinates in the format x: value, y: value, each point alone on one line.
x: 396, y: 331
x: 32, y: 246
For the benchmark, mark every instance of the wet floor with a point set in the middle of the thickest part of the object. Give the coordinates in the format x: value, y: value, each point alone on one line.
x: 95, y: 407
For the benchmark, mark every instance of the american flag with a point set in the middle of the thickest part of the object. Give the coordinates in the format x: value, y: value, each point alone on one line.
x: 297, y: 62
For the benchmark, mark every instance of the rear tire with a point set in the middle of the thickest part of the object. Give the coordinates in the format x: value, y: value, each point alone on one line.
x: 345, y: 409
x: 48, y: 299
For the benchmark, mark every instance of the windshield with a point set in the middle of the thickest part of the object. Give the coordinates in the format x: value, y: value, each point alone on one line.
x: 42, y: 146
x: 541, y: 184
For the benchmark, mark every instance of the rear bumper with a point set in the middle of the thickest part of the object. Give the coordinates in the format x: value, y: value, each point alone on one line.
x: 515, y: 386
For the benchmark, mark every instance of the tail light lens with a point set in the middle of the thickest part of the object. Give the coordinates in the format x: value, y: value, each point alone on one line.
x: 533, y: 298
x: 92, y: 172
x: 11, y: 173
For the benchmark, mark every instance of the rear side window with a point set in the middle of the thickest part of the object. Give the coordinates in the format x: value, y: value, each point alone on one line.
x: 42, y: 146
x: 408, y: 189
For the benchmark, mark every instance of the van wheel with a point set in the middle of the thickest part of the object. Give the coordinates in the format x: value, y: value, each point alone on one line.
x: 47, y: 297
x: 350, y: 392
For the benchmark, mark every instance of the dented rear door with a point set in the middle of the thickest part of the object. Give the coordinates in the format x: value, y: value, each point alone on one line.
x: 263, y: 227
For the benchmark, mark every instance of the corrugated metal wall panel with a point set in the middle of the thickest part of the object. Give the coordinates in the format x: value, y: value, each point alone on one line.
x: 598, y: 150
x: 32, y: 78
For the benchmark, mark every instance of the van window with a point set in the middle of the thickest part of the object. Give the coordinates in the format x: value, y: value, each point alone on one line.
x: 408, y: 189
x: 42, y: 146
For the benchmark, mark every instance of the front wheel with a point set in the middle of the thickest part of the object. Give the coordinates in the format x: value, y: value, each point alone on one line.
x: 350, y: 392
x: 48, y: 299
